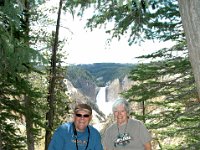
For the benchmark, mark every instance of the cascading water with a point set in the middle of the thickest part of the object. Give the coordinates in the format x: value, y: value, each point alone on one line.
x: 104, y: 106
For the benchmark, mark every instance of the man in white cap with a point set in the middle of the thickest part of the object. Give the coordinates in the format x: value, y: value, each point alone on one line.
x: 78, y: 134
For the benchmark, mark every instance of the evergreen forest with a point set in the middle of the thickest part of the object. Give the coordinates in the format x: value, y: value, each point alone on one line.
x: 33, y: 99
x: 99, y: 73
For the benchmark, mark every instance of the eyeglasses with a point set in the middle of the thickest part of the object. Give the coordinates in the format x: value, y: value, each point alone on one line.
x: 82, y: 116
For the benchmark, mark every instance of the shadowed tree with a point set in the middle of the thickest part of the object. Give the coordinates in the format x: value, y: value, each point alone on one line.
x: 189, y: 10
x: 52, y: 82
x: 17, y: 62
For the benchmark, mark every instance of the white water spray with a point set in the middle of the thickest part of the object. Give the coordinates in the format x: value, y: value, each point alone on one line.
x: 104, y: 106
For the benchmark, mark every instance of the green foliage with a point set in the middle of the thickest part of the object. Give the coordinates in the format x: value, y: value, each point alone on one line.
x: 99, y: 73
x: 74, y: 73
x: 109, y: 71
x: 62, y: 103
x: 9, y: 137
x: 18, y: 61
x: 140, y: 19
x: 167, y: 90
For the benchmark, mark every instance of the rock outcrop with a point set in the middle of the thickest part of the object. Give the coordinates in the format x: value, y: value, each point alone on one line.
x: 89, y: 91
x: 116, y: 87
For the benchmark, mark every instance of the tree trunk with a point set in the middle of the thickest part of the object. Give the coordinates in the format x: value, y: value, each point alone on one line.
x: 51, y: 93
x: 29, y: 124
x: 0, y: 140
x: 190, y: 14
x: 27, y: 101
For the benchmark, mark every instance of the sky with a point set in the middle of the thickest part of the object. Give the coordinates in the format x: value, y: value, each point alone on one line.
x: 90, y: 46
x: 85, y: 47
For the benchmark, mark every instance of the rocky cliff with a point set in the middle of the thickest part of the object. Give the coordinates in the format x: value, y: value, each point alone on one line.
x: 116, y: 87
x: 98, y: 85
x: 88, y: 91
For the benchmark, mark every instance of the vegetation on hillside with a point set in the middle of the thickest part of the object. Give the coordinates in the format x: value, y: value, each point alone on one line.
x: 98, y: 73
x: 165, y: 93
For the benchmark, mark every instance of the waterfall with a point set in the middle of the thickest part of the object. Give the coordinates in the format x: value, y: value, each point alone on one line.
x: 104, y: 106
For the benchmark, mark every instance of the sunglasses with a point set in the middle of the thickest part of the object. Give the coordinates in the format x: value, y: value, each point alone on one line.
x: 82, y: 116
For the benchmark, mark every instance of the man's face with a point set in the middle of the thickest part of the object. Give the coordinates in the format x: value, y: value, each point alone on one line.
x: 120, y: 115
x: 81, y: 120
